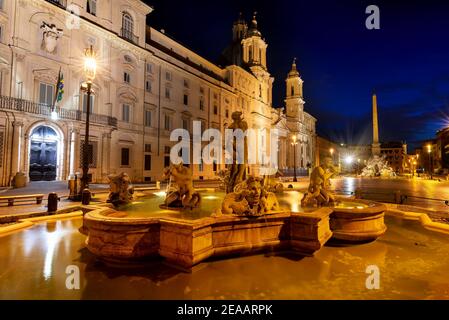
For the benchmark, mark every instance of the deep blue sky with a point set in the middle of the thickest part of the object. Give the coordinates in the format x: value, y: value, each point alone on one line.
x: 406, y: 62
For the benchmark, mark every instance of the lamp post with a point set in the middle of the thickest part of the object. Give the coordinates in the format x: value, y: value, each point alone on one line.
x: 90, y: 69
x: 429, y: 151
x: 294, y: 143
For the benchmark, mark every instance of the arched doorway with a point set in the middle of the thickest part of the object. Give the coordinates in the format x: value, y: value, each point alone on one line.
x: 43, y: 154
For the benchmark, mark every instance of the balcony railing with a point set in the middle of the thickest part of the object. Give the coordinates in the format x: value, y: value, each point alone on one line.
x: 129, y: 35
x: 59, y: 3
x: 14, y: 104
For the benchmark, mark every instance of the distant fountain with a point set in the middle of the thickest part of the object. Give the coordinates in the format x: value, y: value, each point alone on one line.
x: 180, y: 191
x: 377, y: 167
x: 319, y: 193
x: 121, y: 191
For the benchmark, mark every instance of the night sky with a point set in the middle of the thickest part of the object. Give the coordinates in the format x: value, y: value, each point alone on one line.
x: 406, y: 62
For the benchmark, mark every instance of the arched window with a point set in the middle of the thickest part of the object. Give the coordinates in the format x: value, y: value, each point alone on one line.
x: 127, y: 26
x: 293, y: 91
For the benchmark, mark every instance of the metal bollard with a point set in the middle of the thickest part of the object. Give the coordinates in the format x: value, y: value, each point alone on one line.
x: 85, y: 197
x: 52, y: 202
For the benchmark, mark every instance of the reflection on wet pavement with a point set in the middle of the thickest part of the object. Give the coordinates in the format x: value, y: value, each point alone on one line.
x: 413, y: 264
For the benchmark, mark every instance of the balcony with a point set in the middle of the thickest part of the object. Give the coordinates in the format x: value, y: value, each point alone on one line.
x: 59, y: 3
x: 14, y: 104
x: 129, y: 35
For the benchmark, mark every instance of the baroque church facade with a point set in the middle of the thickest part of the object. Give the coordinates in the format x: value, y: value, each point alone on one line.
x: 147, y: 85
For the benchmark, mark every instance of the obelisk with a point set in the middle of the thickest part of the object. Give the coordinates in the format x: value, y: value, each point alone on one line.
x: 375, y: 147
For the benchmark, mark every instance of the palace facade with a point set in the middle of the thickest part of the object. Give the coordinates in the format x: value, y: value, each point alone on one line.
x: 146, y: 85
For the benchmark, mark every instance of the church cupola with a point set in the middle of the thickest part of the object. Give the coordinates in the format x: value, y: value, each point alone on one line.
x: 294, y: 95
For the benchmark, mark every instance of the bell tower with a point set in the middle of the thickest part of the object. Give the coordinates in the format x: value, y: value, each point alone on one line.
x: 254, y: 47
x: 294, y: 102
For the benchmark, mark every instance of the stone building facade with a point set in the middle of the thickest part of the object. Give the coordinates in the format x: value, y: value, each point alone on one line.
x: 147, y: 84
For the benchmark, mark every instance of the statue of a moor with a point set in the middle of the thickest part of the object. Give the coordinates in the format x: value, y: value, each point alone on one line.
x: 237, y: 171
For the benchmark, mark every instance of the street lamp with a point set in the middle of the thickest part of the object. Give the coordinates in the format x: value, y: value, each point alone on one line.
x: 331, y: 151
x: 294, y: 144
x: 90, y: 70
x: 429, y: 151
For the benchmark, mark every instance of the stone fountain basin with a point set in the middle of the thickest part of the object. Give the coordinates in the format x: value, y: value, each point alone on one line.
x: 358, y: 224
x: 185, y: 243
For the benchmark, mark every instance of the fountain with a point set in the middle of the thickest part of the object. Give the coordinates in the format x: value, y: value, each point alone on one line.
x: 186, y: 226
x: 377, y: 167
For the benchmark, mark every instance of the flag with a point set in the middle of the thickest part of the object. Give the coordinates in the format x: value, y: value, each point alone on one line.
x: 60, y: 87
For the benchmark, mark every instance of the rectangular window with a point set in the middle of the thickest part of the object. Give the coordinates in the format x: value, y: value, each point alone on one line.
x: 227, y: 113
x: 201, y: 166
x: 147, y: 147
x: 1, y: 31
x: 92, y: 103
x: 46, y: 94
x: 147, y: 162
x: 166, y: 149
x: 166, y: 161
x: 215, y: 167
x: 126, y: 77
x: 92, y: 7
x: 167, y: 122
x: 201, y: 103
x: 124, y: 161
x: 2, y: 4
x: 201, y: 90
x: 215, y: 109
x: 168, y: 75
x: 147, y: 118
x: 149, y: 68
x: 148, y: 86
x: 125, y: 112
x: 167, y: 93
x: 186, y: 83
x: 186, y: 99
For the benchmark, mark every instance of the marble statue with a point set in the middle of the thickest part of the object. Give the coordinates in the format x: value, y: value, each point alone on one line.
x: 237, y: 171
x: 121, y: 191
x: 319, y: 193
x: 250, y: 198
x: 180, y: 191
